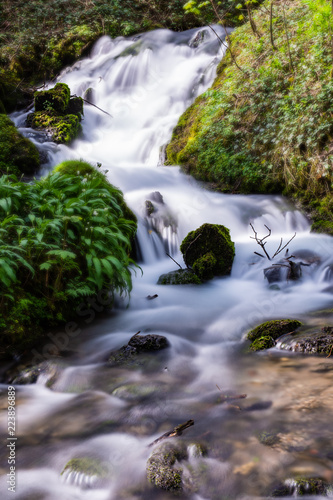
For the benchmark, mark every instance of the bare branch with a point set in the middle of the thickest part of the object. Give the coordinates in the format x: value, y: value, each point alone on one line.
x: 280, y: 249
x: 174, y: 260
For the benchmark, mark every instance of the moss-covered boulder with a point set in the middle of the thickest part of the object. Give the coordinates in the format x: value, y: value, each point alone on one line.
x: 18, y: 155
x: 163, y: 468
x: 179, y: 277
x: 322, y: 226
x: 57, y: 113
x: 209, y: 251
x: 264, y: 336
x: 56, y: 99
x: 274, y: 328
x: 61, y: 129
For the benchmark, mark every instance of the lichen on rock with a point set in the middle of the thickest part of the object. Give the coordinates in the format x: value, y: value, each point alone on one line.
x: 163, y: 468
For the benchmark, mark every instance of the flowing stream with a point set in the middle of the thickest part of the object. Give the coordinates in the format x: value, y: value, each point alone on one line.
x: 111, y: 414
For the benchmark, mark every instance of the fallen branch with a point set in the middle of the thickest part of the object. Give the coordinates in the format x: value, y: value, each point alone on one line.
x: 174, y: 260
x: 91, y: 104
x: 177, y: 431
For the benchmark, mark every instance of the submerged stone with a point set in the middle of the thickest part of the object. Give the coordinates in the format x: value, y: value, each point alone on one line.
x: 310, y: 342
x: 209, y: 251
x: 84, y: 471
x: 179, y: 277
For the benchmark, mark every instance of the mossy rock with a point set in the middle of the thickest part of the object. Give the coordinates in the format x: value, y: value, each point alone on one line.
x: 62, y: 129
x: 268, y: 438
x: 17, y: 154
x: 264, y: 342
x: 84, y: 472
x: 209, y: 251
x: 56, y: 99
x: 162, y: 468
x: 75, y: 106
x: 309, y: 342
x: 274, y: 329
x: 179, y: 277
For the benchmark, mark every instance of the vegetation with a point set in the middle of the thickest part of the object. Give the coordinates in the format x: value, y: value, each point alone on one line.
x: 63, y: 238
x: 266, y: 124
x: 17, y: 154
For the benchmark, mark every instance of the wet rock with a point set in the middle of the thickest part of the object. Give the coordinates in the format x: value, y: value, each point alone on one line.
x: 301, y: 487
x: 138, y: 344
x: 199, y: 38
x: 163, y: 467
x: 264, y: 336
x: 313, y: 342
x: 139, y: 391
x: 84, y: 472
x: 209, y: 251
x: 151, y: 342
x: 179, y: 277
x: 46, y: 372
x: 57, y: 113
x: 150, y: 209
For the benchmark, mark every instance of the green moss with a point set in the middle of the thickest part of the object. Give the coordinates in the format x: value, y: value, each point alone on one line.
x: 87, y: 466
x: 179, y: 277
x: 274, y: 329
x: 17, y: 154
x: 56, y: 99
x: 264, y: 342
x: 62, y: 129
x: 161, y: 470
x: 254, y: 131
x: 268, y: 438
x: 322, y: 226
x: 209, y: 251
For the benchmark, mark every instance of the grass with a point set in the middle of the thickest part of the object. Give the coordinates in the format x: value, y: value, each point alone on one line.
x: 268, y: 126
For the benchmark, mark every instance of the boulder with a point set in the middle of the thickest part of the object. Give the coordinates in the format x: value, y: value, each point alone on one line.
x: 301, y: 487
x: 264, y: 336
x: 138, y: 344
x: 163, y: 468
x: 209, y: 251
x: 179, y: 277
x: 57, y: 113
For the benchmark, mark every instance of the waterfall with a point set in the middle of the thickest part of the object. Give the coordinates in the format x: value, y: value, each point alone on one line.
x: 141, y: 86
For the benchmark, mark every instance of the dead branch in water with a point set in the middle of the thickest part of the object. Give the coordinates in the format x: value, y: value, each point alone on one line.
x: 177, y: 431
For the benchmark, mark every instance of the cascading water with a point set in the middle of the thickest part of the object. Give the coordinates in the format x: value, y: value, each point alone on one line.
x: 145, y: 83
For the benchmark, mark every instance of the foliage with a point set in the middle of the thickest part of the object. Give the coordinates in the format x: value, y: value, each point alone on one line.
x: 18, y: 155
x: 268, y: 128
x: 63, y: 238
x: 38, y: 38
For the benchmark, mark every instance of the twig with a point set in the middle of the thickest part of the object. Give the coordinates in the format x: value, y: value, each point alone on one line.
x: 174, y: 260
x: 91, y: 104
x: 284, y: 246
x: 177, y: 431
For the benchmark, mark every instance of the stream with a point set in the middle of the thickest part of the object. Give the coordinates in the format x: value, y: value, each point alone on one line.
x: 112, y: 413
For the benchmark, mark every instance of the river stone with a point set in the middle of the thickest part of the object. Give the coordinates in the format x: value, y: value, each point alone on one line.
x: 163, y: 469
x: 147, y: 343
x: 209, y: 251
x: 127, y: 355
x: 274, y: 328
x: 315, y: 342
x: 179, y: 277
x: 301, y: 487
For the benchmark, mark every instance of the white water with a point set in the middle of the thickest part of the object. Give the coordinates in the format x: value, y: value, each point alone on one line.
x: 145, y: 94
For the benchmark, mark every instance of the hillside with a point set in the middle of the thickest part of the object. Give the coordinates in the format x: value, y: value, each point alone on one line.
x: 266, y: 127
